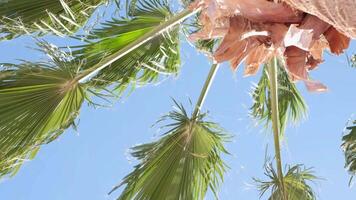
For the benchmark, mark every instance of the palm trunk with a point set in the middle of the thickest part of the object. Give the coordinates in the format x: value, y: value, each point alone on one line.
x: 209, y: 80
x: 272, y: 72
x: 89, y: 73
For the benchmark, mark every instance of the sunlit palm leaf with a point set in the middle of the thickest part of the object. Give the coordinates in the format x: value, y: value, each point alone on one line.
x: 295, y: 183
x: 182, y: 165
x: 37, y: 102
x: 291, y: 105
x: 349, y: 148
x: 144, y: 64
x: 61, y: 17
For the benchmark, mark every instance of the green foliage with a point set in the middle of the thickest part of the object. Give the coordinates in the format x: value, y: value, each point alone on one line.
x: 353, y: 60
x: 182, y: 165
x: 144, y: 64
x: 291, y: 104
x: 61, y: 17
x: 38, y: 101
x: 295, y: 184
x: 349, y: 149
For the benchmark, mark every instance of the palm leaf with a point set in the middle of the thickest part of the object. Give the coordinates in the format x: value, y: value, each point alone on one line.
x: 61, y: 17
x: 295, y: 184
x: 291, y: 104
x: 182, y: 165
x: 349, y: 149
x: 158, y: 56
x: 37, y: 102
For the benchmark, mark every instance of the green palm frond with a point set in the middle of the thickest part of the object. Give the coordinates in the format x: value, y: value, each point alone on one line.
x: 158, y: 56
x: 61, y: 17
x: 295, y: 184
x: 182, y: 165
x: 349, y: 148
x: 291, y: 105
x: 37, y: 102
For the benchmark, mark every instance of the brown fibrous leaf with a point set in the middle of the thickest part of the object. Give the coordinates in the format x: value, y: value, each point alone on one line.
x: 256, y: 30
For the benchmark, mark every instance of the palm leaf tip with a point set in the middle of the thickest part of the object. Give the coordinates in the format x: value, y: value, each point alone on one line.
x: 291, y: 105
x: 295, y: 182
x: 349, y: 149
x: 38, y: 101
x: 183, y: 164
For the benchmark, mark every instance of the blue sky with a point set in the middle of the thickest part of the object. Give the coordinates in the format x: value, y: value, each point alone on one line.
x: 88, y: 163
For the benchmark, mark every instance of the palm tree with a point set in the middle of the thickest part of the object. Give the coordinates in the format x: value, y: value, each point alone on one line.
x: 134, y: 50
x: 18, y: 80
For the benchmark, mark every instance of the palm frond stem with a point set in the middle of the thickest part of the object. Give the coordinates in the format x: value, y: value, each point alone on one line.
x: 89, y: 73
x: 204, y: 92
x: 272, y: 72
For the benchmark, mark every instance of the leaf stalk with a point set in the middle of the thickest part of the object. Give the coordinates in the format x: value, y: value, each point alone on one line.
x: 204, y: 92
x: 273, y: 77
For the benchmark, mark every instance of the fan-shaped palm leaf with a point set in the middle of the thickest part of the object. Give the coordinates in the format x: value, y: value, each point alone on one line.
x: 349, y: 148
x: 182, y: 165
x: 37, y: 102
x: 61, y: 17
x: 291, y: 104
x: 295, y: 184
x: 160, y: 55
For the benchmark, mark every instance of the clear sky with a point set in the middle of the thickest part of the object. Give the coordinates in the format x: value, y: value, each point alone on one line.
x: 88, y: 163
